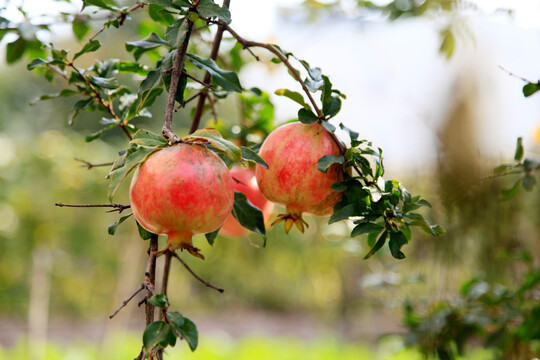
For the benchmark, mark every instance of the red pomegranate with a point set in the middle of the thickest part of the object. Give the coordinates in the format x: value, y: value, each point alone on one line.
x: 244, y: 181
x: 292, y: 152
x: 180, y: 191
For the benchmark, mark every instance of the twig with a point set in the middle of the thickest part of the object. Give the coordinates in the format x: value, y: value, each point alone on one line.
x: 139, y: 289
x: 213, y: 108
x: 185, y: 102
x: 121, y: 18
x: 206, y: 85
x: 494, y: 176
x: 89, y: 165
x: 247, y: 44
x: 117, y: 207
x: 207, y: 77
x: 166, y: 130
x: 106, y: 104
x: 206, y: 283
x: 518, y: 76
x: 165, y: 279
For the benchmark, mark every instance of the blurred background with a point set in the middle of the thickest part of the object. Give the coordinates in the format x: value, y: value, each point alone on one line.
x: 424, y: 85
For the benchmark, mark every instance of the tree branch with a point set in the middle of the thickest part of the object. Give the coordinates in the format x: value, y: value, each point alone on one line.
x: 247, y: 44
x: 139, y: 289
x: 195, y: 123
x: 121, y: 18
x: 117, y: 207
x: 166, y: 130
x: 206, y: 283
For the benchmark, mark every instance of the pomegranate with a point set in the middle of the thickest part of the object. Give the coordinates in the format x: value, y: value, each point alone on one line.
x: 244, y: 181
x: 292, y: 152
x: 180, y: 191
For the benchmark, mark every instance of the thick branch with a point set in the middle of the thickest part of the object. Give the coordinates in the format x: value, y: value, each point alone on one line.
x: 207, y: 77
x: 247, y: 44
x: 166, y: 131
x: 206, y: 283
x: 165, y: 279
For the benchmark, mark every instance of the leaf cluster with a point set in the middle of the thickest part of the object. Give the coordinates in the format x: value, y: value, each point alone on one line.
x: 503, y: 318
x: 523, y: 167
x: 163, y: 333
x: 383, y: 209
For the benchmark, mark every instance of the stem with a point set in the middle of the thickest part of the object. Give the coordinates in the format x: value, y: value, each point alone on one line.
x: 121, y: 18
x: 247, y: 44
x: 89, y: 165
x: 165, y: 279
x: 517, y: 76
x: 207, y: 77
x: 166, y: 130
x: 206, y: 283
x: 150, y: 278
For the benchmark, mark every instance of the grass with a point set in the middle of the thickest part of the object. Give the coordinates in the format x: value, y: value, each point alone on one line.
x: 126, y: 346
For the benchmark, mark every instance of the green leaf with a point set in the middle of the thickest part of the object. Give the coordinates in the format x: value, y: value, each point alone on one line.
x: 519, y: 149
x: 531, y: 164
x: 132, y: 67
x: 228, y: 80
x: 15, y: 50
x: 507, y: 194
x: 329, y: 127
x: 307, y: 116
x: 141, y: 46
x: 378, y: 245
x: 397, y: 240
x: 530, y: 89
x: 175, y: 318
x: 105, y: 83
x: 211, y: 236
x: 326, y: 161
x: 101, y: 4
x: 332, y: 106
x: 112, y: 228
x: 145, y: 100
x: 159, y: 14
x: 294, y: 96
x: 344, y: 213
x: 176, y: 4
x: 97, y: 134
x: 189, y: 332
x: 152, y: 80
x: 448, y: 43
x: 159, y: 334
x: 176, y: 33
x: 213, y: 137
x: 36, y: 62
x: 92, y: 46
x: 148, y: 139
x: 352, y: 134
x: 80, y: 28
x: 366, y: 228
x: 419, y: 220
x: 135, y: 155
x: 249, y: 154
x: 247, y: 214
x: 63, y: 93
x: 209, y: 9
x: 143, y: 233
x: 159, y: 300
x: 528, y: 182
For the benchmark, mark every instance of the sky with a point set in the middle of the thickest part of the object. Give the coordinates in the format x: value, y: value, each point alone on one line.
x: 398, y: 85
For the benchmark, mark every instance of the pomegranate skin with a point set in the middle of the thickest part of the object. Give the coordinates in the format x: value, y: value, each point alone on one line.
x: 292, y: 152
x: 180, y: 191
x: 244, y: 181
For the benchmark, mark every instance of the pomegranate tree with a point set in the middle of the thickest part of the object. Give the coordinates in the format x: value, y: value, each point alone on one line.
x: 244, y: 181
x: 180, y: 191
x: 292, y: 152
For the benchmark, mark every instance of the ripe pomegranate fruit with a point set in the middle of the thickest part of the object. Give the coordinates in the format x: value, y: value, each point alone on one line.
x: 180, y: 191
x: 292, y: 152
x: 244, y: 181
